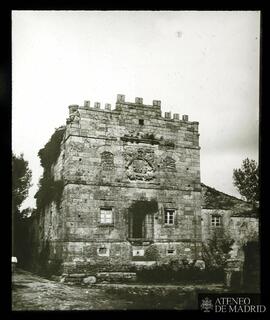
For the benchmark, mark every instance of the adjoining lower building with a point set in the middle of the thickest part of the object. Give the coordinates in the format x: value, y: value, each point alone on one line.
x: 230, y: 220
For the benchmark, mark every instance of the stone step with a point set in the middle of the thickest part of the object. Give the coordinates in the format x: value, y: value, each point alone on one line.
x: 116, y: 276
x: 76, y: 275
x: 143, y: 263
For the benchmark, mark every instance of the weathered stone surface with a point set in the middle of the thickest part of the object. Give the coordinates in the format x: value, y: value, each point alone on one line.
x: 114, y: 160
x: 90, y: 280
x: 109, y: 161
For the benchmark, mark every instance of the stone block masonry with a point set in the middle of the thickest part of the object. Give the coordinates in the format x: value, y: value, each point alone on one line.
x: 131, y: 184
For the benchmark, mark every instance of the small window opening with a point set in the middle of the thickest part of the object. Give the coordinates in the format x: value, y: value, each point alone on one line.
x: 106, y: 216
x: 169, y: 216
x: 102, y: 250
x: 216, y: 221
x: 141, y: 122
x: 170, y: 251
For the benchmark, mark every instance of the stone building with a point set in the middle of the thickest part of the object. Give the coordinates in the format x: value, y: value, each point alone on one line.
x: 225, y: 215
x: 131, y: 189
x: 231, y: 219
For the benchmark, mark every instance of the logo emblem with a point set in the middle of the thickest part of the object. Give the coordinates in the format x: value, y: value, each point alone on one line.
x: 206, y: 305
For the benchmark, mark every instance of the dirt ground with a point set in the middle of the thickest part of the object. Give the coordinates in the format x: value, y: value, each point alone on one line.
x: 31, y: 292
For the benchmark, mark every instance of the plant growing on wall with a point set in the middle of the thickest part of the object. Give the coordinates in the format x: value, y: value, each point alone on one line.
x: 49, y: 189
x: 51, y: 151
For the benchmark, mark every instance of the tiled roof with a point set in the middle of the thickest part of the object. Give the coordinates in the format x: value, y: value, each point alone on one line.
x: 214, y: 199
x: 253, y: 213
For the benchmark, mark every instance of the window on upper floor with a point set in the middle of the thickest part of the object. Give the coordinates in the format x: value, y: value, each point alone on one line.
x: 106, y: 216
x: 141, y: 122
x: 169, y: 216
x: 215, y: 221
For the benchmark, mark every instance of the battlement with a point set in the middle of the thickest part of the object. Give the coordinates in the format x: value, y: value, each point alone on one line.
x: 120, y: 100
x: 123, y: 106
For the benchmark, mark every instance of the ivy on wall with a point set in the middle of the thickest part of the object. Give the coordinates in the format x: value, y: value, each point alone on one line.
x: 49, y: 189
x: 51, y: 151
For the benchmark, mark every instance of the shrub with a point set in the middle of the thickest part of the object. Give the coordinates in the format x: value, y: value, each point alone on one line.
x: 177, y: 272
x: 216, y: 250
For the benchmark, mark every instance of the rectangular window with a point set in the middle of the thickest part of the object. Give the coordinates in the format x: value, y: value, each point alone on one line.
x: 141, y: 122
x: 106, y: 216
x: 216, y: 221
x: 102, y: 251
x: 169, y: 216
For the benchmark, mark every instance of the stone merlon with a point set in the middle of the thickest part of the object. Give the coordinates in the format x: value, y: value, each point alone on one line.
x: 135, y: 109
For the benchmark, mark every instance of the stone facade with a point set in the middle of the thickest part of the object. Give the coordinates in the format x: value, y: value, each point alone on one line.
x: 228, y: 216
x: 230, y: 220
x: 132, y: 190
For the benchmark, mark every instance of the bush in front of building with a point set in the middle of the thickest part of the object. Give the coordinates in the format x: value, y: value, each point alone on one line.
x: 178, y: 271
x: 215, y: 251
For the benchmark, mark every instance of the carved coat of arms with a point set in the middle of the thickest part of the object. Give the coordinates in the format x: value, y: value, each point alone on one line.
x: 140, y: 164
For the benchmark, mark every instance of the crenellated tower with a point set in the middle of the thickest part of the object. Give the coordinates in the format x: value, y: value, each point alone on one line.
x: 132, y: 189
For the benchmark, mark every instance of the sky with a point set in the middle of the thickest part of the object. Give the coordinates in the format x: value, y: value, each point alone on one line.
x: 201, y: 63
